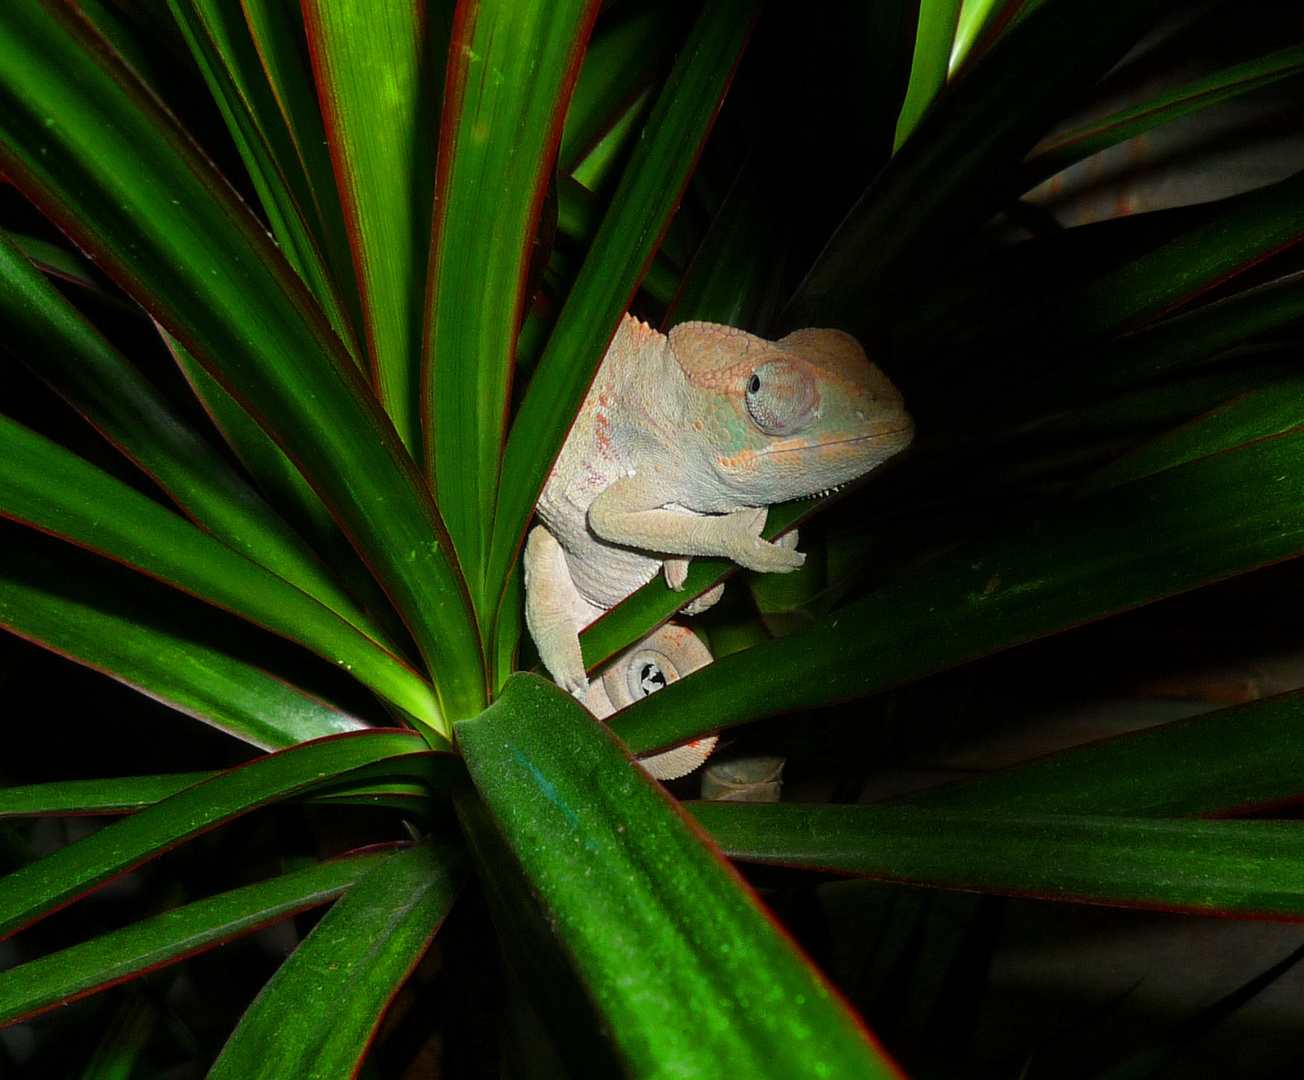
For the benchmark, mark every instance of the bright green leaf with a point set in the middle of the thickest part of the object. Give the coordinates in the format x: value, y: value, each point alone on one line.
x: 119, y: 955
x: 514, y: 67
x: 47, y: 884
x: 1247, y: 868
x: 658, y: 927
x: 319, y: 1012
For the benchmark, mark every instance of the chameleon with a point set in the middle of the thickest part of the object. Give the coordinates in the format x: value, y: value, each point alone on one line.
x: 680, y: 446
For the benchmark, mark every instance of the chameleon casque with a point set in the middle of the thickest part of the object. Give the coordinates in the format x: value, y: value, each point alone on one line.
x: 681, y: 444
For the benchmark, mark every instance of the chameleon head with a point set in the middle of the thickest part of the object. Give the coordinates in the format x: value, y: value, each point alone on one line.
x: 790, y: 418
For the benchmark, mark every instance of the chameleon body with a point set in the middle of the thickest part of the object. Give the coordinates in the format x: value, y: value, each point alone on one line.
x: 681, y: 444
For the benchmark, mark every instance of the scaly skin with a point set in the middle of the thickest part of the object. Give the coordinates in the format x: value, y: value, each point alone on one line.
x: 680, y: 446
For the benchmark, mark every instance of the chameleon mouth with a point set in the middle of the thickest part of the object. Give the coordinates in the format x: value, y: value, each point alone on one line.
x: 898, y: 434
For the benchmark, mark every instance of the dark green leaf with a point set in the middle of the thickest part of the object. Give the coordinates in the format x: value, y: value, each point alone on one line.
x: 515, y: 65
x: 1223, y: 762
x: 627, y: 47
x: 153, y: 638
x: 957, y: 167
x: 320, y: 1011
x: 117, y: 795
x: 1246, y: 868
x: 658, y: 926
x: 78, y: 362
x: 1072, y: 146
x: 133, y: 951
x: 219, y: 40
x: 51, y: 488
x: 379, y: 85
x: 95, y: 151
x: 51, y: 882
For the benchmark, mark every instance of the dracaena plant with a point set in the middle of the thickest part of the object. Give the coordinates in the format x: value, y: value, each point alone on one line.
x: 384, y: 246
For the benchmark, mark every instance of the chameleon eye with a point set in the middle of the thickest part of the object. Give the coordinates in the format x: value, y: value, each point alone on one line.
x: 781, y: 397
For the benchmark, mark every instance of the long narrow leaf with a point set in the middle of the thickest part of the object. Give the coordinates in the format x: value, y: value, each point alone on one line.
x: 1072, y: 146
x: 78, y: 362
x: 219, y: 41
x: 1232, y: 760
x: 51, y: 882
x: 1245, y: 868
x: 152, y: 638
x: 318, y: 1014
x: 648, y: 194
x: 626, y: 48
x: 1182, y: 528
x: 658, y: 926
x: 95, y: 150
x: 378, y: 89
x: 118, y: 795
x: 51, y: 488
x: 932, y: 58
x: 513, y: 70
x: 164, y: 939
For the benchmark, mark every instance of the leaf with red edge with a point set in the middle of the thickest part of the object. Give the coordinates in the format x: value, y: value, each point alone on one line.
x: 643, y: 203
x: 56, y: 880
x: 94, y: 150
x: 1243, y: 868
x: 514, y: 65
x: 150, y: 944
x: 655, y: 924
x: 319, y: 1012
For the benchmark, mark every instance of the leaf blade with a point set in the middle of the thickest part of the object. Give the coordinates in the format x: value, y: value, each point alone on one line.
x: 201, y: 264
x: 318, y: 1013
x: 1240, y: 868
x: 132, y: 951
x: 514, y: 67
x: 654, y: 921
x: 43, y: 886
x: 640, y: 208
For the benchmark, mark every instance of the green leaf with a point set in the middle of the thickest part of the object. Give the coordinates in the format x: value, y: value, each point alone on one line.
x: 514, y: 67
x: 977, y: 18
x: 61, y: 346
x: 1243, y: 868
x: 957, y: 168
x: 46, y: 885
x: 54, y: 490
x: 628, y: 45
x: 1251, y: 228
x: 114, y: 795
x: 378, y: 80
x: 1124, y: 547
x: 90, y: 146
x: 219, y: 40
x: 1063, y: 150
x: 658, y: 927
x: 1269, y: 411
x: 152, y: 638
x: 933, y: 40
x: 1224, y: 762
x: 135, y: 950
x: 1192, y: 335
x: 647, y: 195
x: 319, y: 1012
